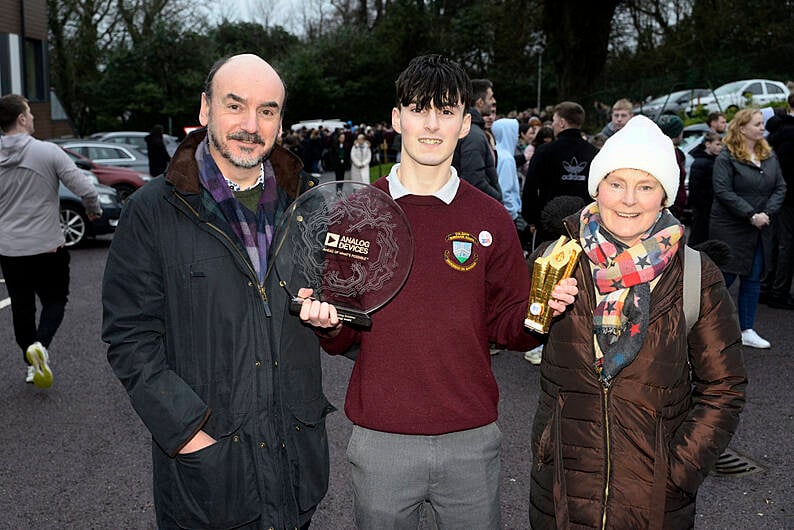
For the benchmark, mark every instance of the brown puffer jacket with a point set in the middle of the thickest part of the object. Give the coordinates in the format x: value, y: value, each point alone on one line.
x: 633, y: 456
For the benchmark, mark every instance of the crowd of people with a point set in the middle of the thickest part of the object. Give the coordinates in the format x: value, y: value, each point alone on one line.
x: 641, y: 374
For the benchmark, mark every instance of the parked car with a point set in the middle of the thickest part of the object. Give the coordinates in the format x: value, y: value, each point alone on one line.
x: 107, y: 154
x: 671, y: 103
x: 739, y: 94
x: 136, y: 139
x: 330, y: 124
x: 124, y: 181
x: 74, y: 221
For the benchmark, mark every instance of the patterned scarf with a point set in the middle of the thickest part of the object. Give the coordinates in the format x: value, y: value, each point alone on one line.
x: 623, y: 274
x: 254, y: 231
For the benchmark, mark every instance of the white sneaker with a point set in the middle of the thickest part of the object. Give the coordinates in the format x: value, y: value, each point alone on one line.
x: 31, y: 373
x: 753, y: 340
x: 535, y: 355
x: 39, y: 359
x: 494, y: 350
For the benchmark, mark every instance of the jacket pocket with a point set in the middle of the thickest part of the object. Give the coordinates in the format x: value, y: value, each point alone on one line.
x: 215, y: 487
x: 545, y: 417
x: 310, y: 461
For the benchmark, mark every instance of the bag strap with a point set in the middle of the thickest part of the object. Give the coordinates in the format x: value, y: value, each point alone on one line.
x: 691, y: 287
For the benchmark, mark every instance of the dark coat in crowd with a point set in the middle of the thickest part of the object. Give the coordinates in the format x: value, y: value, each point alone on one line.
x: 701, y: 195
x: 557, y: 168
x: 474, y: 158
x: 157, y: 153
x: 781, y: 138
x: 740, y: 190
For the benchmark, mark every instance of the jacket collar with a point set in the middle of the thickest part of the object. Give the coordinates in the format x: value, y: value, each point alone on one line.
x: 182, y: 172
x: 573, y: 133
x: 476, y: 118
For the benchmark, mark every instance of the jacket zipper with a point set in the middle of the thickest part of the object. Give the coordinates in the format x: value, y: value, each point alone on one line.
x: 609, y: 459
x: 260, y: 288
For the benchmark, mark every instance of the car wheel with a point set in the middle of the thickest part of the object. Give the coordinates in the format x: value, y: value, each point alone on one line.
x: 123, y: 191
x: 74, y: 225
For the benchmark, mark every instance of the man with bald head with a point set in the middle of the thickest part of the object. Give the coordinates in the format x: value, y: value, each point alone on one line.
x: 225, y: 379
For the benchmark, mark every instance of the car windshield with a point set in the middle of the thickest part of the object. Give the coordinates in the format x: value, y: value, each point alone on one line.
x: 729, y: 88
x: 690, y: 141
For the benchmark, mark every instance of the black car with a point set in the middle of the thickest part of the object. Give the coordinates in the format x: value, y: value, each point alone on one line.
x: 74, y: 221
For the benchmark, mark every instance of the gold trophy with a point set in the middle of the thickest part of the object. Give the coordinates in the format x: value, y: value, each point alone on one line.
x: 556, y: 263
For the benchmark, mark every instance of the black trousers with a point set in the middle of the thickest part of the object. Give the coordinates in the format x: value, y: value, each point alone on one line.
x: 43, y: 275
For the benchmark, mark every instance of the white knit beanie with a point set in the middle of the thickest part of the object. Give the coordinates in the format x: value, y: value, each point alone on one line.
x: 640, y: 144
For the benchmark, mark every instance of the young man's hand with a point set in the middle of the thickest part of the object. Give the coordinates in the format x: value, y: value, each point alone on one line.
x: 320, y: 315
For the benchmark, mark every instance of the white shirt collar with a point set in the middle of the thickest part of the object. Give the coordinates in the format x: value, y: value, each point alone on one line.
x: 260, y: 181
x: 445, y: 194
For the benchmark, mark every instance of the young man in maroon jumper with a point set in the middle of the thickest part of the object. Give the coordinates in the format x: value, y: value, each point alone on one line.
x: 422, y: 394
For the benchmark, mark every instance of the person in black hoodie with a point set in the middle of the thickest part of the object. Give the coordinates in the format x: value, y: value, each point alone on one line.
x: 781, y: 138
x: 701, y: 190
x: 558, y: 168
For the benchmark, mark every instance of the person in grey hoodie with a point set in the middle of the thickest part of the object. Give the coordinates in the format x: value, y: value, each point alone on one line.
x: 32, y: 254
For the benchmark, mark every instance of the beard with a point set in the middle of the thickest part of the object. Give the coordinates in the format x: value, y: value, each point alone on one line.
x: 243, y: 160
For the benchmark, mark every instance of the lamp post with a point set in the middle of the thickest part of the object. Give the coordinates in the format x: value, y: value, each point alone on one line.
x: 540, y: 73
x: 538, y: 47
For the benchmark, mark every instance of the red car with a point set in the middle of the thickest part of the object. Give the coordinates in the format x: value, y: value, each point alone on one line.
x: 124, y: 181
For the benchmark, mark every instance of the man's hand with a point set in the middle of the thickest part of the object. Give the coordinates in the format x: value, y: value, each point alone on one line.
x: 563, y: 295
x: 197, y: 443
x: 320, y: 315
x: 94, y: 216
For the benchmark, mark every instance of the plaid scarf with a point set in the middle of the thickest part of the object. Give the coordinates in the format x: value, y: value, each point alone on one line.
x: 254, y: 231
x: 623, y: 274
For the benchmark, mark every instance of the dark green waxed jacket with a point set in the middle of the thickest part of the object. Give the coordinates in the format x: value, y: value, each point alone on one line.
x: 199, y: 345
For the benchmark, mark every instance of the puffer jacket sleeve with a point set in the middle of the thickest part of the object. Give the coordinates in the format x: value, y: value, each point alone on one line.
x: 133, y: 325
x: 719, y: 382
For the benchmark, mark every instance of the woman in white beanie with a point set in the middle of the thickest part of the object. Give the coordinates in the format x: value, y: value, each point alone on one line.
x: 748, y: 190
x: 634, y: 409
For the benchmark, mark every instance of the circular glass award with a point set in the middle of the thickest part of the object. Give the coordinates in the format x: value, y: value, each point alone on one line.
x: 348, y: 241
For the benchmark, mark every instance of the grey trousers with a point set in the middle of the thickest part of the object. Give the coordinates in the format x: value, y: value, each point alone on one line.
x: 456, y: 474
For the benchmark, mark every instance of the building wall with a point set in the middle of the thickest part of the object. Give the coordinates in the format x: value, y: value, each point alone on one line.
x: 24, y: 62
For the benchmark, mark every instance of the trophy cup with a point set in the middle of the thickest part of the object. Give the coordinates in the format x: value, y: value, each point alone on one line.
x: 347, y: 241
x: 556, y: 263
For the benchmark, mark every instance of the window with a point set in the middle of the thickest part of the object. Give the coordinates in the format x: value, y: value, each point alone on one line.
x: 754, y: 89
x: 773, y: 89
x: 34, y: 70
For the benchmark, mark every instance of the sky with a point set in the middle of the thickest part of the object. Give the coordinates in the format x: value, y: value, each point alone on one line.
x: 286, y: 13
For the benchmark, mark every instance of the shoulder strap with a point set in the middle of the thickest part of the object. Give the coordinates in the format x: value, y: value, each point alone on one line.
x: 691, y: 287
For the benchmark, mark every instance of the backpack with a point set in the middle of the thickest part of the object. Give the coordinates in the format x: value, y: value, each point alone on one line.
x: 691, y: 287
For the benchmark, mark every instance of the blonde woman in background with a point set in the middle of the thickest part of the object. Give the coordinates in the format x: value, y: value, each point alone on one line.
x: 748, y: 190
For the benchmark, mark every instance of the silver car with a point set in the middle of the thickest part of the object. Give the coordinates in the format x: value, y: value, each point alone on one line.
x: 108, y: 154
x: 136, y: 139
x: 671, y: 103
x: 739, y: 94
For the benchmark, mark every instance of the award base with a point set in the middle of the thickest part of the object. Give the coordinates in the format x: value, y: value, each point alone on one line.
x: 535, y: 326
x: 349, y: 316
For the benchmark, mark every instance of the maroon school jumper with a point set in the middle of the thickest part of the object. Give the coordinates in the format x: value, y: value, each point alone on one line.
x: 424, y: 365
